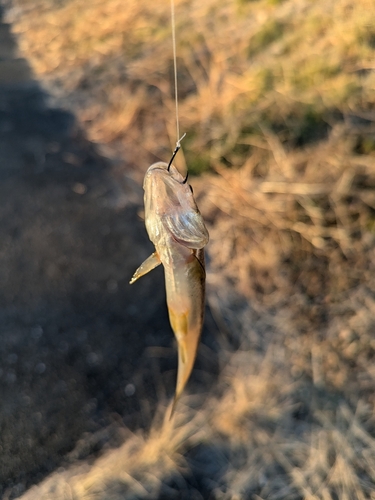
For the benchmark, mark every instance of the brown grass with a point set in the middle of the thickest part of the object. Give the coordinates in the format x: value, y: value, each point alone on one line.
x: 283, y: 93
x: 294, y: 66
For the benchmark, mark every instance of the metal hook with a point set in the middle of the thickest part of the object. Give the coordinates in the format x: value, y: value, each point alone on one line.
x: 176, y: 150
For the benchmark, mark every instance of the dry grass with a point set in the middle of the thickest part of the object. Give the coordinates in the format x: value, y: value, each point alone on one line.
x: 294, y: 66
x: 282, y: 92
x: 269, y: 435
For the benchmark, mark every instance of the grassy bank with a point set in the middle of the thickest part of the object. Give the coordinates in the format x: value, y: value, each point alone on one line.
x: 294, y: 67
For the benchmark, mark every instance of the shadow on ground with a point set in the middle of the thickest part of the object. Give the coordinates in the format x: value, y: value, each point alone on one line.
x: 72, y: 331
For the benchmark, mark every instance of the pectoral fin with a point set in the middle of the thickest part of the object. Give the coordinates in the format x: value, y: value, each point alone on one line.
x: 188, y: 229
x: 148, y: 265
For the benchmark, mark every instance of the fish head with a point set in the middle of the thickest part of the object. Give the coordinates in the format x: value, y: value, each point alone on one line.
x: 170, y: 207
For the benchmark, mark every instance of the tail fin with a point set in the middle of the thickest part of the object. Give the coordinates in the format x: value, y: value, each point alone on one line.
x: 187, y: 326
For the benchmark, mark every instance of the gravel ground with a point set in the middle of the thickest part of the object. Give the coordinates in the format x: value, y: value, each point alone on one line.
x: 73, y: 334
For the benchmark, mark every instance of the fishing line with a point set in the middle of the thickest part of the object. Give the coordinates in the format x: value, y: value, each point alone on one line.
x: 179, y: 139
x: 176, y: 150
x: 175, y: 70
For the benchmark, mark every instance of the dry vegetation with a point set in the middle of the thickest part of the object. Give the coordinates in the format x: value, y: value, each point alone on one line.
x: 295, y: 67
x: 277, y: 98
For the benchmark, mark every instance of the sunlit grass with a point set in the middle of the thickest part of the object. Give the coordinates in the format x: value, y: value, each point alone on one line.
x: 274, y: 432
x: 113, y: 66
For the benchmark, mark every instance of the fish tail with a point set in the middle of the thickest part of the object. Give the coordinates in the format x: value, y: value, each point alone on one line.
x: 187, y: 325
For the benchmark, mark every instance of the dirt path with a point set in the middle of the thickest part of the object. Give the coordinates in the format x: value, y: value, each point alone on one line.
x: 73, y: 333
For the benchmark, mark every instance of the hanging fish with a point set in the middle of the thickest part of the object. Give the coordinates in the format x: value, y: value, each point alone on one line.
x: 176, y: 228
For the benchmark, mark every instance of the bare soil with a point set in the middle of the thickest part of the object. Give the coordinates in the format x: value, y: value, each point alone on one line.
x: 74, y: 336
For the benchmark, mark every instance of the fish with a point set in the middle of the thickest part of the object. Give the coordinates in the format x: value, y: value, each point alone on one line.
x: 177, y: 229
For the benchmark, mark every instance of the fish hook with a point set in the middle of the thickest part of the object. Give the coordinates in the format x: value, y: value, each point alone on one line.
x: 176, y: 150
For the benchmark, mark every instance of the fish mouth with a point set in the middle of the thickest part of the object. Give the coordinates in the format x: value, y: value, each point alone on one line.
x: 172, y: 172
x: 160, y: 165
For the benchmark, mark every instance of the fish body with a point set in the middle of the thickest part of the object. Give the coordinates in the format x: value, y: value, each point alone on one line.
x: 176, y: 228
